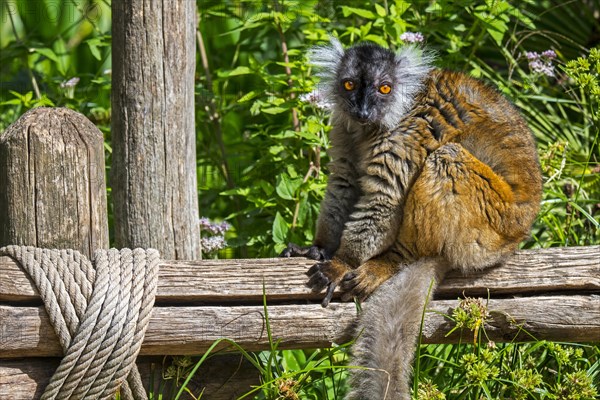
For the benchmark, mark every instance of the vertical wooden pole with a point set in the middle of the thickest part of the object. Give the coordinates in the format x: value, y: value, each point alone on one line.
x: 52, y: 188
x: 153, y: 135
x: 53, y: 195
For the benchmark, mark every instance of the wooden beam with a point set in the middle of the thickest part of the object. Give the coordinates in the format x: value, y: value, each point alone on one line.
x: 26, y: 331
x: 551, y: 294
x: 153, y: 134
x: 530, y: 272
x: 25, y: 379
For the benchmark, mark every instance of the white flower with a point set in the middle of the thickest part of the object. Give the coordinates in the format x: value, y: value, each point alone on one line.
x: 212, y: 243
x: 317, y: 99
x: 70, y: 83
x: 412, y: 37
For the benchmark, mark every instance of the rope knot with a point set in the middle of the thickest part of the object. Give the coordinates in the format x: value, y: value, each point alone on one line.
x: 100, y: 314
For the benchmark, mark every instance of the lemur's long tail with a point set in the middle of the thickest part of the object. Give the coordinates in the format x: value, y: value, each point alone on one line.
x: 388, y: 329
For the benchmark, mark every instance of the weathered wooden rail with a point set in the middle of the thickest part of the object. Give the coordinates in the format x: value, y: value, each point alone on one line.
x: 547, y: 294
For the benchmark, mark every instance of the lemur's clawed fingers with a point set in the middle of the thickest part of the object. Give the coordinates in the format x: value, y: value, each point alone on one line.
x: 362, y: 282
x: 312, y: 252
x: 355, y: 286
x: 326, y: 274
x: 317, y: 279
x: 329, y: 294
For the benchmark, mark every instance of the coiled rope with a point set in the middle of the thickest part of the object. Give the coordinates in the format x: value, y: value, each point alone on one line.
x: 99, y: 314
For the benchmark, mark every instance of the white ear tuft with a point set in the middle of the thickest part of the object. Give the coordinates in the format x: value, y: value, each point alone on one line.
x: 412, y: 68
x: 414, y: 60
x: 327, y: 59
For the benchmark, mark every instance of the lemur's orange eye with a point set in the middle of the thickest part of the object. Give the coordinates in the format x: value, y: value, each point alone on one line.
x: 348, y: 85
x: 385, y: 88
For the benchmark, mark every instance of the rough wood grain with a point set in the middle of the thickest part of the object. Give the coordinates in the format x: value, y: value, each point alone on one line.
x: 530, y: 272
x: 25, y: 331
x: 26, y: 379
x: 52, y: 178
x: 153, y: 132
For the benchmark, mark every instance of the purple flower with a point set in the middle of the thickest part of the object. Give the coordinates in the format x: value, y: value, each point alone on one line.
x: 212, y: 227
x: 549, y: 54
x: 541, y: 63
x: 532, y: 55
x: 213, y: 243
x: 412, y: 37
x: 542, y: 67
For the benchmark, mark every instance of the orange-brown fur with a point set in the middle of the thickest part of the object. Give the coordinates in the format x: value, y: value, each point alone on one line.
x: 475, y: 188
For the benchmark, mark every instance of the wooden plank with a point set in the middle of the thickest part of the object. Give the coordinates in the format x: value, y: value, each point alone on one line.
x: 25, y: 379
x: 219, y: 281
x: 25, y: 331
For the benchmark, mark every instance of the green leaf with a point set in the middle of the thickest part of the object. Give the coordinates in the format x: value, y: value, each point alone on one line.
x: 402, y: 6
x: 303, y: 210
x: 274, y: 110
x: 237, y: 192
x: 586, y: 214
x: 376, y: 39
x: 241, y: 70
x: 294, y: 360
x: 48, y: 53
x: 280, y: 229
x: 358, y: 11
x: 44, y: 101
x: 13, y: 102
x: 380, y: 10
x: 309, y: 136
x: 248, y: 96
x: 276, y: 149
x: 94, y: 44
x: 286, y: 187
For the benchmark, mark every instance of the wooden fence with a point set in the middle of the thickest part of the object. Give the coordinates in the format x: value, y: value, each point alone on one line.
x: 549, y: 294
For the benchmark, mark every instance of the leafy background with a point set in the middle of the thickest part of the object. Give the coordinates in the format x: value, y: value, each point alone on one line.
x: 262, y: 161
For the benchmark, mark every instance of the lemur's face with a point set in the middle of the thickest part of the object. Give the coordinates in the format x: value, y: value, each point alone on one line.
x: 366, y: 82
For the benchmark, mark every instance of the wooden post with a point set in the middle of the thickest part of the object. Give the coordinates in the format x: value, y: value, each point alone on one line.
x: 53, y: 195
x: 153, y: 137
x: 53, y: 192
x: 153, y: 133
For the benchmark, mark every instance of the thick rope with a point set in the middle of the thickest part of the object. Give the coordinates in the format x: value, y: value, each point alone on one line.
x: 100, y: 316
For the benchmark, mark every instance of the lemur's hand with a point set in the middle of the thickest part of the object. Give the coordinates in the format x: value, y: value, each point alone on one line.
x: 312, y: 252
x: 327, y: 274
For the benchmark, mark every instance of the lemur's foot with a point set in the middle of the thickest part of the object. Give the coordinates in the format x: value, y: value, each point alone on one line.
x: 327, y: 274
x: 312, y: 252
x: 361, y: 282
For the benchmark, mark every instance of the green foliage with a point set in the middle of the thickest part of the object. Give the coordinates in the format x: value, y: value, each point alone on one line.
x: 262, y: 145
x: 486, y: 370
x: 264, y: 163
x: 55, y: 53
